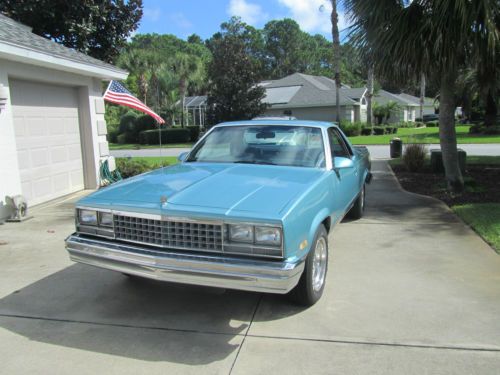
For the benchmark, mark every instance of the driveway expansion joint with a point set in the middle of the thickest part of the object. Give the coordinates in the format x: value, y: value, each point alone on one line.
x: 246, y: 333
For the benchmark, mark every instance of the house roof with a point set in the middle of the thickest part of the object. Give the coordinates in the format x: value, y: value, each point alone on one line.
x: 303, y: 90
x: 414, y: 99
x: 383, y: 97
x: 18, y: 43
x: 195, y: 101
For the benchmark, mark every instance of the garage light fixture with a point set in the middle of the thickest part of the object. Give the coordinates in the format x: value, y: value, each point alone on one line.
x: 4, y: 94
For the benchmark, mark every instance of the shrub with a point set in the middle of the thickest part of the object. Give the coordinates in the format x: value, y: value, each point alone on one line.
x: 144, y: 122
x: 378, y: 130
x: 491, y: 130
x: 177, y: 135
x: 432, y: 124
x: 129, y: 167
x: 414, y: 157
x: 195, y: 132
x: 418, y: 124
x: 113, y: 136
x: 366, y: 131
x: 121, y: 139
x: 476, y: 129
x: 127, y: 123
x: 351, y: 129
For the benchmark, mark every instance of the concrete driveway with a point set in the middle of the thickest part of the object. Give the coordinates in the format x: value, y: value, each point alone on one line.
x: 410, y: 290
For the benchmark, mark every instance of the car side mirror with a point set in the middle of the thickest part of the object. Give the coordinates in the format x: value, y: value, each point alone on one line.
x: 342, y: 163
x: 182, y: 156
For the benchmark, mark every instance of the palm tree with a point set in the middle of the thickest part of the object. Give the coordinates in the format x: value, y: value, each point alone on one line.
x: 137, y: 61
x: 189, y: 71
x: 336, y: 56
x: 431, y: 37
x: 369, y: 96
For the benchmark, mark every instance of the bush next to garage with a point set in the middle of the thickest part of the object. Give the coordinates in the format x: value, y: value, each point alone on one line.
x: 129, y: 167
x: 175, y: 135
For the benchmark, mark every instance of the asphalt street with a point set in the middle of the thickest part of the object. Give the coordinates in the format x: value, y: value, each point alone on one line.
x: 376, y: 151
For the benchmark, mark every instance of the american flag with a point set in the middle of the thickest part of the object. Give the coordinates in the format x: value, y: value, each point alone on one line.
x: 118, y: 94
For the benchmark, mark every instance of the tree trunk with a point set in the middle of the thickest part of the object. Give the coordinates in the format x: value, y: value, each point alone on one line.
x: 182, y: 89
x: 336, y: 57
x: 369, y: 97
x: 490, y: 115
x: 447, y: 133
x: 422, y: 96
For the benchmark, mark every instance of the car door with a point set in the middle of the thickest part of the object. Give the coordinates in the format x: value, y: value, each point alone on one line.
x: 347, y: 177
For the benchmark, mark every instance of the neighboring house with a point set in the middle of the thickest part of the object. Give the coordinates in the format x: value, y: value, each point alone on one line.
x: 52, y: 129
x: 406, y: 110
x: 196, y: 107
x: 309, y: 97
x: 430, y: 104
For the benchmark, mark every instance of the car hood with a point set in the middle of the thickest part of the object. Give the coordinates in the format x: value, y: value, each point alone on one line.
x: 230, y: 187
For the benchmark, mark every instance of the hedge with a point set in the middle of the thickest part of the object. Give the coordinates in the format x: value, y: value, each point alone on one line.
x: 195, y: 132
x: 151, y: 137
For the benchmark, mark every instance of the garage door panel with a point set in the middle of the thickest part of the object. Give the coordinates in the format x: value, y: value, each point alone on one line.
x: 24, y: 159
x: 61, y: 181
x: 39, y: 157
x: 26, y: 188
x: 47, y: 131
x: 76, y: 177
x: 58, y: 154
x: 56, y: 125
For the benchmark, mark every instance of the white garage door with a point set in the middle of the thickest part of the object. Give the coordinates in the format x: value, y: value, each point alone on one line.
x: 48, y: 139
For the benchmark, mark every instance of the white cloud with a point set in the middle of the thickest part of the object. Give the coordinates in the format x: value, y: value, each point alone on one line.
x: 249, y: 12
x: 313, y: 15
x: 153, y: 14
x: 180, y: 20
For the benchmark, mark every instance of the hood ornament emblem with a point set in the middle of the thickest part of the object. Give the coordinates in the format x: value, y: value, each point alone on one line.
x: 163, y: 199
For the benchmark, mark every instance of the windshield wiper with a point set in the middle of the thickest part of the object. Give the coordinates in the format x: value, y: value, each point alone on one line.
x: 254, y: 162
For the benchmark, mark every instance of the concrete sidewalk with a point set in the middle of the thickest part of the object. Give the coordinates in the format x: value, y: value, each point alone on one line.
x: 410, y: 290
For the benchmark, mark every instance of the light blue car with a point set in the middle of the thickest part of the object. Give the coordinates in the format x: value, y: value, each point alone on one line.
x: 249, y: 207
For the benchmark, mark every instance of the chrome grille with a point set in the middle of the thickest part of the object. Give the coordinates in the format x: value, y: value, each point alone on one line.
x: 169, y: 233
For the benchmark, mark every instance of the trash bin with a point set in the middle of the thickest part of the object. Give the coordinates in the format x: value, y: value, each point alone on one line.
x: 396, y: 146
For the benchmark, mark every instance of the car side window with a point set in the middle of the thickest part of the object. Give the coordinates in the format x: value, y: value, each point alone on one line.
x: 337, y: 144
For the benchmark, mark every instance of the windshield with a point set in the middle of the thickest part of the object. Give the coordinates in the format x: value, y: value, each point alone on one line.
x: 298, y: 146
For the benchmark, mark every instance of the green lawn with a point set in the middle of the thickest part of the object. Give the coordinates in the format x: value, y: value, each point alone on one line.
x: 423, y: 135
x: 155, y: 160
x: 132, y: 146
x: 484, y: 218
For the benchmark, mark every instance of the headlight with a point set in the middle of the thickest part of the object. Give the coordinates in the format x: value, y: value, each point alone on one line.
x: 87, y: 217
x: 268, y: 236
x: 105, y: 219
x: 241, y: 233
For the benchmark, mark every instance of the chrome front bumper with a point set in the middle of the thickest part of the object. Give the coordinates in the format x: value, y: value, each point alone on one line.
x: 209, y: 270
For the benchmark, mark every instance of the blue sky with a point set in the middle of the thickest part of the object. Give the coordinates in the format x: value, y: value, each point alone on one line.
x: 203, y: 17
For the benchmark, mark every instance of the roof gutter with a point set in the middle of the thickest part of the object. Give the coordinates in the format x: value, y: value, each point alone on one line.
x: 25, y: 55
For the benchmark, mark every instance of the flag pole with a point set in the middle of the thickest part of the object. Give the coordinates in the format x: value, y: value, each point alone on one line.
x: 159, y: 138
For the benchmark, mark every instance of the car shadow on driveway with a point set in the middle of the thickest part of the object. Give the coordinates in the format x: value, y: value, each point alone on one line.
x: 106, y: 312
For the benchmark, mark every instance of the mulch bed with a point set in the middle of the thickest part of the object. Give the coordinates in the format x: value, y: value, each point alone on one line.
x: 482, y: 184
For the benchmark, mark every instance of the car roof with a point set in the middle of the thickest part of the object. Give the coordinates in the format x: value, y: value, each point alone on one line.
x: 317, y: 124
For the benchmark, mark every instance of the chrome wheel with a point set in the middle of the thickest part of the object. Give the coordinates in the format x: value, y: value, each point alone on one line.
x: 319, y: 264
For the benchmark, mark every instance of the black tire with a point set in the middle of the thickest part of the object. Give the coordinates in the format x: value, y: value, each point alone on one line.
x: 356, y: 212
x: 306, y: 293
